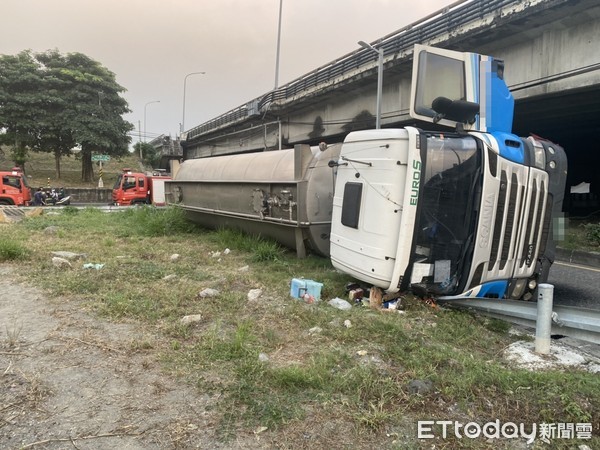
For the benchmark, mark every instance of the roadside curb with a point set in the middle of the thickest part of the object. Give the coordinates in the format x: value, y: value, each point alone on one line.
x: 578, y: 257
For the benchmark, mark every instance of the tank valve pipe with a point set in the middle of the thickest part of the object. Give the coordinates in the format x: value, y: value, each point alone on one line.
x: 543, y: 324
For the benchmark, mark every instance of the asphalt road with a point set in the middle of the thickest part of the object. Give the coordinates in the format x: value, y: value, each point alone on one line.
x: 575, y: 285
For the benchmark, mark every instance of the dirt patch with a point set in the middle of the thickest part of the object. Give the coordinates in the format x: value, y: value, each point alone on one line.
x: 71, y: 380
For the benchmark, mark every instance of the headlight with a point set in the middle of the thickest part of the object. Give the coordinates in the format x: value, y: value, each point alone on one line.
x: 519, y: 288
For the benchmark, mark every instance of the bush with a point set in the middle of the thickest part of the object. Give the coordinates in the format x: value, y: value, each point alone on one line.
x: 592, y: 233
x: 151, y: 221
x: 10, y: 250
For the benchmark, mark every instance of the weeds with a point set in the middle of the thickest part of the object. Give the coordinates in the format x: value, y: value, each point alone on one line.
x: 11, y: 250
x: 13, y: 334
x: 355, y: 377
x: 592, y: 233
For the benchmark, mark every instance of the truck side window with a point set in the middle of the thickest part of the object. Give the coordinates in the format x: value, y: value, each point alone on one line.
x: 351, y: 204
x: 129, y: 183
x: 140, y: 182
x: 12, y: 181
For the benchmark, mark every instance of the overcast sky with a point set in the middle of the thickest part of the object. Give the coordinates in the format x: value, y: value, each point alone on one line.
x: 152, y: 44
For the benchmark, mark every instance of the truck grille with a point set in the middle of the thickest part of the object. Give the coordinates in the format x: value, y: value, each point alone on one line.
x: 519, y: 213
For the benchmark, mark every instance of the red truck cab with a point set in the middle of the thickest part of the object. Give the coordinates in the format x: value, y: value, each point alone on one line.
x: 134, y: 188
x: 14, y: 189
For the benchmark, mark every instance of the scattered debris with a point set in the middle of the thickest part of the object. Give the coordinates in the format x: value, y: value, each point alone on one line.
x: 361, y: 353
x: 254, y: 294
x: 174, y: 257
x: 170, y: 277
x: 347, y: 323
x: 226, y: 251
x: 244, y: 269
x: 69, y: 255
x: 376, y: 298
x: 420, y: 387
x: 356, y: 295
x: 215, y: 254
x: 391, y: 305
x: 309, y: 299
x: 315, y: 330
x: 93, y: 266
x: 340, y: 303
x: 300, y: 288
x: 61, y: 263
x: 263, y: 357
x: 260, y: 430
x: 193, y: 318
x: 208, y: 292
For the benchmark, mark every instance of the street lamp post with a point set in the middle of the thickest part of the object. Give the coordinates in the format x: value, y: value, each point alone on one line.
x: 278, y: 46
x: 184, y: 84
x: 379, y: 79
x: 145, y: 106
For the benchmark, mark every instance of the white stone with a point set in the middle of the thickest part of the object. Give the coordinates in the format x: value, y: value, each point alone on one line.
x: 208, y: 292
x: 61, y: 263
x: 193, y: 318
x: 254, y: 294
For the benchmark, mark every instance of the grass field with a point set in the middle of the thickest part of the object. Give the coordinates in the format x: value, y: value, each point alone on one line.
x: 305, y: 375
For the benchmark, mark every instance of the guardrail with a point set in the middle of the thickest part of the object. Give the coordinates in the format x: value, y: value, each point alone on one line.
x: 578, y: 323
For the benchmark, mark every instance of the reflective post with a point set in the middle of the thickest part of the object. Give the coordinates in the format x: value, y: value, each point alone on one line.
x: 543, y: 324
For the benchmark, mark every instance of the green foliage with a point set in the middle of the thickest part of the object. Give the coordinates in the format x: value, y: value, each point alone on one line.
x: 151, y: 221
x: 592, y: 233
x: 262, y: 249
x: 52, y: 102
x: 70, y: 210
x: 19, y: 155
x: 11, y: 250
x: 150, y: 155
x: 498, y: 326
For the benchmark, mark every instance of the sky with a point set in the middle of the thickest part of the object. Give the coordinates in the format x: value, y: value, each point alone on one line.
x: 151, y: 45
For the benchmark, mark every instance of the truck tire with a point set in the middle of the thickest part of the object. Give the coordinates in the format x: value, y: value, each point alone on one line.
x: 6, y: 201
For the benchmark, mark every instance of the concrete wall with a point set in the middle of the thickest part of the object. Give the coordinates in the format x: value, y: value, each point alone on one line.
x: 90, y: 195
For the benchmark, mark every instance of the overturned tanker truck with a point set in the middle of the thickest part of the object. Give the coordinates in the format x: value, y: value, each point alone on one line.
x: 467, y: 212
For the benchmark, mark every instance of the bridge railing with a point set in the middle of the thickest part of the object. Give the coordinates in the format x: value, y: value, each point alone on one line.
x: 400, y: 43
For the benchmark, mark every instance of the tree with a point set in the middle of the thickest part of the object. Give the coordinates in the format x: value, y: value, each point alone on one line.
x: 20, y: 102
x: 150, y: 155
x: 72, y: 100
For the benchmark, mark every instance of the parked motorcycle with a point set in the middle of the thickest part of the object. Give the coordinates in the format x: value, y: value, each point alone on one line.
x: 57, y: 198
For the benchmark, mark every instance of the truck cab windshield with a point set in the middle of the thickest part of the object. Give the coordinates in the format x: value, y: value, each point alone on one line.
x: 447, y: 219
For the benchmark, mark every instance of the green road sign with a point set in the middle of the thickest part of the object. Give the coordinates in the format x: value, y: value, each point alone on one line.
x: 100, y: 158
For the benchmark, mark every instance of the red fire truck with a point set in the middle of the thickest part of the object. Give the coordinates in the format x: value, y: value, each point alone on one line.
x: 135, y: 188
x: 13, y: 188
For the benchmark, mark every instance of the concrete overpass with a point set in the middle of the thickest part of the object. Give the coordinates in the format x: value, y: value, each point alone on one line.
x: 552, y: 65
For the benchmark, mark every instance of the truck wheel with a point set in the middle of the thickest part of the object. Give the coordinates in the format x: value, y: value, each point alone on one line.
x: 4, y: 201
